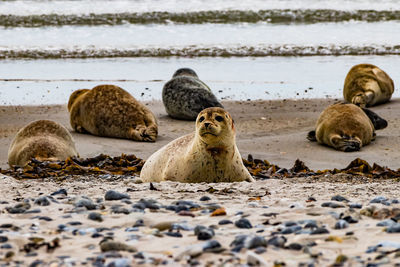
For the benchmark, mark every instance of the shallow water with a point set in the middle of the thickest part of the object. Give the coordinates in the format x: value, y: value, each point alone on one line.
x: 243, y: 49
x: 52, y: 81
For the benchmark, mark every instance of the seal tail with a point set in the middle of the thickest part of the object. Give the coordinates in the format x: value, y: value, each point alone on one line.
x: 312, y: 136
x: 378, y: 122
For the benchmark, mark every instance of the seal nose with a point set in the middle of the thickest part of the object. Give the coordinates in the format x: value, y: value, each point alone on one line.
x: 206, y: 124
x: 352, y: 146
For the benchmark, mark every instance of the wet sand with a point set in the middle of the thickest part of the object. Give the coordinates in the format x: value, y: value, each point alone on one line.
x: 271, y: 130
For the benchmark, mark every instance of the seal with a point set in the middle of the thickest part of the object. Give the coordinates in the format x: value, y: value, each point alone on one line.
x: 367, y: 85
x: 108, y: 110
x: 346, y: 127
x: 185, y: 95
x: 208, y: 155
x: 44, y: 140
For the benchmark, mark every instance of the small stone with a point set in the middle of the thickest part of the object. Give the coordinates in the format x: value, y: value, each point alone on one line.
x: 394, y: 228
x: 173, y: 234
x: 379, y: 199
x: 122, y: 262
x: 311, y: 224
x: 332, y: 205
x: 205, y: 198
x: 61, y: 191
x: 341, y: 224
x: 294, y: 246
x: 291, y: 229
x: 85, y: 202
x: 114, y: 195
x: 243, y: 223
x: 277, y: 241
x: 319, y: 231
x: 95, y: 216
x: 355, y: 206
x: 339, y: 198
x: 223, y: 222
x: 3, y: 239
x: 386, y: 223
x: 146, y: 204
x: 74, y: 223
x: 212, y: 246
x: 219, y: 212
x: 203, y: 233
x: 118, y: 209
x: 260, y: 250
x: 139, y: 223
x: 19, y: 208
x: 110, y: 245
x: 350, y: 219
x: 255, y: 260
x: 5, y: 246
x: 42, y: 201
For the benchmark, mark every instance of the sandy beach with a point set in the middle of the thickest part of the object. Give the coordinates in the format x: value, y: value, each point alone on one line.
x: 316, y: 221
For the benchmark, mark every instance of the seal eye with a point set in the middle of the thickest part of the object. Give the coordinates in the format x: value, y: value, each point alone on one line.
x: 219, y: 118
x: 201, y: 119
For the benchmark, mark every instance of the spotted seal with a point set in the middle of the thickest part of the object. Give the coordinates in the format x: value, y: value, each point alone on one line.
x: 346, y: 127
x: 367, y: 85
x: 185, y: 95
x: 44, y: 140
x: 208, y: 155
x: 108, y: 110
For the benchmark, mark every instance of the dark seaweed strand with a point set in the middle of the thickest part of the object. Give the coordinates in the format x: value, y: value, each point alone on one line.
x: 228, y: 16
x: 240, y: 51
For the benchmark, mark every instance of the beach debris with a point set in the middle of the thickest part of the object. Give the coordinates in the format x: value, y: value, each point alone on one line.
x: 219, y: 212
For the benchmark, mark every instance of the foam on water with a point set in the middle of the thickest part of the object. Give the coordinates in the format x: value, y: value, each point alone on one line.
x: 120, y: 6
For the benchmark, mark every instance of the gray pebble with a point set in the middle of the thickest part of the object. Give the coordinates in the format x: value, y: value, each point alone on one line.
x: 224, y: 221
x: 319, y: 231
x: 203, y: 233
x: 243, y: 223
x: 85, y: 202
x: 355, y: 206
x: 42, y: 201
x: 394, y: 228
x: 339, y: 198
x: 205, y: 198
x: 95, y: 216
x: 332, y: 205
x: 123, y: 262
x: 19, y: 208
x: 277, y: 241
x: 3, y: 239
x: 341, y: 224
x: 61, y: 191
x: 294, y: 246
x: 114, y: 195
x: 379, y: 199
x: 291, y: 229
x: 386, y: 223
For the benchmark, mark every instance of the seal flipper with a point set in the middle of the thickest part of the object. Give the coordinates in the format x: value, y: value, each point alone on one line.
x: 312, y: 136
x: 378, y: 122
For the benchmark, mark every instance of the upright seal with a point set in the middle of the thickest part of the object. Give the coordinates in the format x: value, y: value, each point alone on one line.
x: 43, y: 140
x: 108, y: 110
x: 208, y: 155
x: 346, y: 127
x: 367, y: 85
x: 185, y: 95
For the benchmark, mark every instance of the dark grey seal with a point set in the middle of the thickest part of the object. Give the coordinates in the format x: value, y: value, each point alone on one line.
x: 185, y: 95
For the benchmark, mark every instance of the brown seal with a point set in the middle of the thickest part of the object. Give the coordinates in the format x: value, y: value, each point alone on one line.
x: 208, y: 155
x: 43, y: 140
x: 367, y: 85
x: 108, y: 110
x: 346, y: 127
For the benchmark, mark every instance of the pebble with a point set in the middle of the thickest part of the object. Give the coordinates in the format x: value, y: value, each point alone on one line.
x: 379, y: 199
x: 123, y: 262
x: 248, y: 241
x: 205, y: 198
x: 212, y: 246
x: 332, y: 205
x: 174, y: 234
x: 339, y: 198
x: 114, y: 195
x: 223, y: 222
x: 110, y: 245
x: 243, y: 223
x: 291, y: 229
x: 95, y: 216
x: 320, y: 230
x: 146, y: 204
x: 61, y: 191
x: 85, y: 202
x: 355, y: 206
x: 294, y: 246
x: 5, y: 246
x: 3, y: 239
x: 42, y: 201
x: 311, y: 224
x: 19, y: 208
x: 394, y: 228
x: 277, y: 241
x: 386, y: 223
x: 139, y: 223
x: 203, y: 233
x: 341, y: 224
x: 350, y: 219
x: 118, y: 209
x: 255, y: 260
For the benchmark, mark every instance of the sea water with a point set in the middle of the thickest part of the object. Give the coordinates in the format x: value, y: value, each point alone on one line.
x: 244, y: 50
